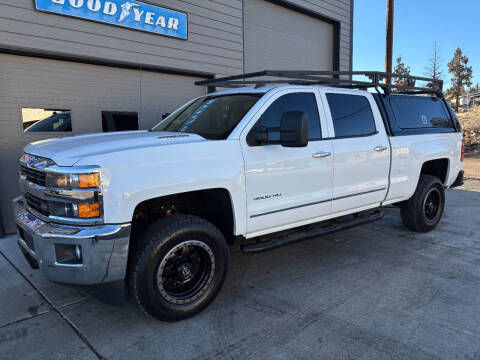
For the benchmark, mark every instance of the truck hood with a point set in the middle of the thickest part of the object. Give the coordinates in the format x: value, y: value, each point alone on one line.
x: 69, y: 150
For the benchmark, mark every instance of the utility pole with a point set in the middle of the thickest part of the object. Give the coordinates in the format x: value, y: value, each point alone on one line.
x: 389, y: 40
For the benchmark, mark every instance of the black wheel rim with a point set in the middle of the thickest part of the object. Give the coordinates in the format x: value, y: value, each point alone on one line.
x: 432, y: 203
x: 186, y: 272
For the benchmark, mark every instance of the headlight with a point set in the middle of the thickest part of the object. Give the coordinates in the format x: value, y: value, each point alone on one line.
x: 72, y: 181
x: 74, y: 210
x: 77, y: 194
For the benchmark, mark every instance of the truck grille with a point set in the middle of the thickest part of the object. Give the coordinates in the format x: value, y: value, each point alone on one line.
x: 33, y: 175
x: 37, y: 204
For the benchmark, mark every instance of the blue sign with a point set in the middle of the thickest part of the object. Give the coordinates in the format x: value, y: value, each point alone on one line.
x: 131, y: 14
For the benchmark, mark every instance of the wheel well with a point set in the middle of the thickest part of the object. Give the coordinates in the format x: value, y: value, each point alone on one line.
x: 213, y: 205
x: 438, y: 168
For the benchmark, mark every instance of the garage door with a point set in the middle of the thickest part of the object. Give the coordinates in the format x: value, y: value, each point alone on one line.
x: 77, y: 95
x: 281, y: 39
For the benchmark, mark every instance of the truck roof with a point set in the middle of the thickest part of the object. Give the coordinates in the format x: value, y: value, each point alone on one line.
x: 265, y: 89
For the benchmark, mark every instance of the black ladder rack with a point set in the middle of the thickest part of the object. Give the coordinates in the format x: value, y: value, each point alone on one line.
x: 376, y: 79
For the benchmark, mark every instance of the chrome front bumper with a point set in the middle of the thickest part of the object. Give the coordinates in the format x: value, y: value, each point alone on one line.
x: 104, y: 248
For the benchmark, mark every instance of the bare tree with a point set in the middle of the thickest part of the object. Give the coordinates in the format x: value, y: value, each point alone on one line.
x: 435, y: 63
x: 462, y: 74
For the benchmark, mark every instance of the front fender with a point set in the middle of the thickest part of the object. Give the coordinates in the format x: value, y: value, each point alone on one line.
x: 136, y: 175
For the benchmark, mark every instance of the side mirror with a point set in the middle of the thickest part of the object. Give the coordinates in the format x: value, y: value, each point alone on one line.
x: 294, y: 129
x: 164, y: 115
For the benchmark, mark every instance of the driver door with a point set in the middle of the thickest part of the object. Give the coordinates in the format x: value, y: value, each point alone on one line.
x: 287, y: 186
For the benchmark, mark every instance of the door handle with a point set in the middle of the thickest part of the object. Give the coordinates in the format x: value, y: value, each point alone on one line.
x: 321, y: 154
x: 380, y: 148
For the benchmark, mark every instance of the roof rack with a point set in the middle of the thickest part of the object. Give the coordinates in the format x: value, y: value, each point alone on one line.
x: 376, y: 79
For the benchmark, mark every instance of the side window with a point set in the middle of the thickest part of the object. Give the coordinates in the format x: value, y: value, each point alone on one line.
x: 414, y: 112
x: 119, y: 121
x: 351, y: 115
x: 305, y: 102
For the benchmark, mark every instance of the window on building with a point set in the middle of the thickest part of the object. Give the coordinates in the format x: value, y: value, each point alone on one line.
x: 413, y: 112
x: 271, y: 118
x: 46, y: 120
x: 351, y: 115
x: 119, y: 121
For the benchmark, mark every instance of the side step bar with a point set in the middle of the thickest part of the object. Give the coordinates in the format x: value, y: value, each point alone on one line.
x: 298, y: 236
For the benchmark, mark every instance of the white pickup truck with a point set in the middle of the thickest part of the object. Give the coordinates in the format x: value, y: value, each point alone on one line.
x: 266, y: 165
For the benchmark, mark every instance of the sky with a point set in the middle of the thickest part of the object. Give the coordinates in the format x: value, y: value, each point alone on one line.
x: 417, y: 24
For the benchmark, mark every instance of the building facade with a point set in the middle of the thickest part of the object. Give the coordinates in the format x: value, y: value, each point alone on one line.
x: 71, y: 67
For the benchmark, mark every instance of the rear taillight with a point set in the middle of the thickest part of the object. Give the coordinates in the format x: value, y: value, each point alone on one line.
x: 463, y: 150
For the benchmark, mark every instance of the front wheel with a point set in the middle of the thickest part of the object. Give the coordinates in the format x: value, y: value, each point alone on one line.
x: 178, y: 267
x: 423, y: 211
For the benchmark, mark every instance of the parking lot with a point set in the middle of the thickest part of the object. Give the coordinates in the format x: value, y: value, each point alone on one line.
x: 376, y: 291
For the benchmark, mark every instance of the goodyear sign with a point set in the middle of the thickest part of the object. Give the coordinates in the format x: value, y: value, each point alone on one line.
x: 131, y: 14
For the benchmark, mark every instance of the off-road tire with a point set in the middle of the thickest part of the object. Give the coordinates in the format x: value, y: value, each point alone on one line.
x: 413, y: 211
x: 155, y: 246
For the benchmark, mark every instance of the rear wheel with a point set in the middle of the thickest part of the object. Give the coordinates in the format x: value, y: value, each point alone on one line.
x: 423, y: 211
x: 178, y: 267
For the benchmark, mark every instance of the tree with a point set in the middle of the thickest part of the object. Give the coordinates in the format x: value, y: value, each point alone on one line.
x: 434, y: 67
x: 461, y: 74
x: 475, y: 89
x: 402, y: 69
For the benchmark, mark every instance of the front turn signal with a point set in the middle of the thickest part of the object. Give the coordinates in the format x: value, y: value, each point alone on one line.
x: 88, y: 180
x: 88, y: 211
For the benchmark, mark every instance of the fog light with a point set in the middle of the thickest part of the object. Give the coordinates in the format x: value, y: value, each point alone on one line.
x: 78, y: 252
x: 68, y: 254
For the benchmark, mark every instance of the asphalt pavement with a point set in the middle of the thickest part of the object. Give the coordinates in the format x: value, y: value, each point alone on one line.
x: 377, y: 291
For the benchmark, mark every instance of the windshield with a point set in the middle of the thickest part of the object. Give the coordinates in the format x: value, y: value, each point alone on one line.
x: 213, y: 117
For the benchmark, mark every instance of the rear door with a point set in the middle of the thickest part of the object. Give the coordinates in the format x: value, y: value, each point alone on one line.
x: 285, y: 185
x: 361, y: 150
